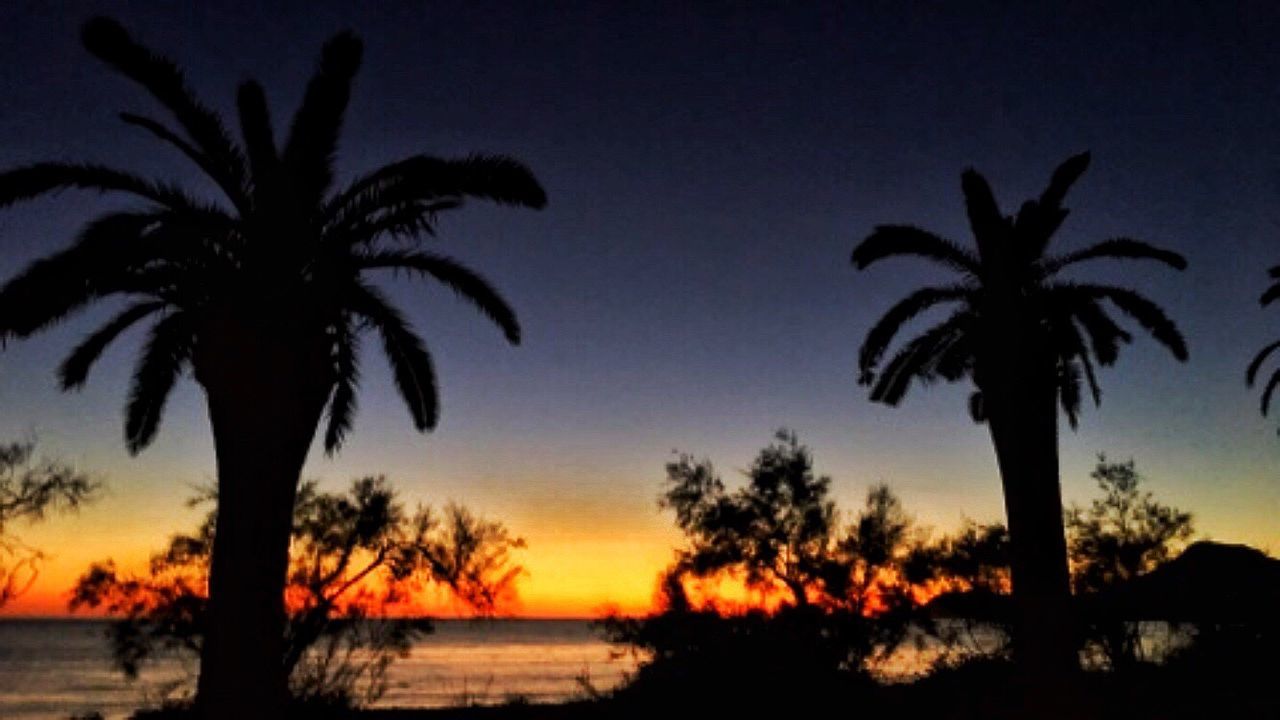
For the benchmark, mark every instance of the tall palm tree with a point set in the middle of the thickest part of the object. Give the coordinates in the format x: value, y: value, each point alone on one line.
x: 1028, y: 341
x: 264, y: 296
x: 1251, y: 375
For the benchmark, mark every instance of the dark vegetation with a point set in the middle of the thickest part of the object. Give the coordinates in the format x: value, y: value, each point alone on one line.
x: 840, y: 593
x: 1028, y: 341
x: 776, y: 604
x: 263, y: 296
x: 356, y: 559
x: 30, y: 489
x: 835, y: 597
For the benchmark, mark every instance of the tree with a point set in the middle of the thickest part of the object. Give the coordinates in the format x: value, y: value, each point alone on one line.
x: 28, y: 490
x: 834, y: 596
x: 355, y: 557
x: 1027, y: 340
x: 780, y: 533
x: 777, y: 531
x: 1120, y: 536
x: 264, y: 297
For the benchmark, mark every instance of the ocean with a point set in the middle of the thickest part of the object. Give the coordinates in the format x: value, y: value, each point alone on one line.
x: 57, y: 668
x: 54, y: 669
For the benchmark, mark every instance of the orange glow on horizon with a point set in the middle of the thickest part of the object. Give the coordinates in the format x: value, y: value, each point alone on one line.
x: 565, y: 577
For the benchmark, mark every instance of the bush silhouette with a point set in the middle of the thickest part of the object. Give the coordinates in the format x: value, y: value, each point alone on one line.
x: 356, y: 557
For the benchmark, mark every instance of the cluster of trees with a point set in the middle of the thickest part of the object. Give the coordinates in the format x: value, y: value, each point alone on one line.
x: 825, y: 598
x: 356, y: 558
x: 832, y: 597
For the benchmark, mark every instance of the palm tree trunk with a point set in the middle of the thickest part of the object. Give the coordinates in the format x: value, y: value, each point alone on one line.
x: 1022, y: 416
x: 264, y: 407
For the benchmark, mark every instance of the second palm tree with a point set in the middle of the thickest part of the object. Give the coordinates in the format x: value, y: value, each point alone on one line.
x: 1028, y: 341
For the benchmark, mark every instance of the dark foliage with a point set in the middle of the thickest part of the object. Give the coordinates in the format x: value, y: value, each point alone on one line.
x: 700, y: 661
x: 356, y: 556
x: 834, y: 598
x: 1122, y: 535
x: 29, y: 489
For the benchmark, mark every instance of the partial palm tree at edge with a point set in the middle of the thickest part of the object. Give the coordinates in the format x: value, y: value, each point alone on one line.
x: 1251, y: 374
x: 264, y: 297
x: 1028, y: 342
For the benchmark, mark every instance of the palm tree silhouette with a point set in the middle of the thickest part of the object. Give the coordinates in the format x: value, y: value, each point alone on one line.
x: 1028, y: 341
x: 265, y: 300
x: 1251, y: 375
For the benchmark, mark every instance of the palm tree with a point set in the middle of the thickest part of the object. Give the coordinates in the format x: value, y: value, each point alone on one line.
x: 264, y: 296
x: 1251, y: 375
x: 1028, y: 340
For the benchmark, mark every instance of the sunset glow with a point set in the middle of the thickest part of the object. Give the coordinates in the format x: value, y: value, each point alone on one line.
x: 688, y: 287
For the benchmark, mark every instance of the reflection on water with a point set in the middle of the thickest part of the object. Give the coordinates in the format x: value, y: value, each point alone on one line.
x: 51, y: 669
x: 497, y: 661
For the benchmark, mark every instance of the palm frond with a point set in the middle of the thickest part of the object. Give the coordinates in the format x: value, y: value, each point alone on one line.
x: 110, y: 42
x: 1271, y: 294
x: 1091, y: 376
x: 409, y: 220
x: 75, y: 368
x: 233, y: 192
x: 166, y: 354
x: 887, y: 241
x: 313, y: 138
x: 1268, y: 390
x: 259, y: 138
x: 1252, y: 373
x: 52, y: 288
x: 465, y: 283
x: 410, y: 363
x: 1040, y: 219
x: 1035, y: 225
x: 1119, y: 248
x: 1064, y: 176
x: 342, y: 405
x: 1105, y: 336
x: 32, y: 181
x: 423, y: 178
x: 148, y: 253
x: 956, y: 359
x: 1069, y: 391
x: 917, y: 359
x: 1074, y: 364
x: 1148, y: 314
x: 882, y: 333
x: 1027, y: 217
x: 985, y: 220
x: 1072, y: 349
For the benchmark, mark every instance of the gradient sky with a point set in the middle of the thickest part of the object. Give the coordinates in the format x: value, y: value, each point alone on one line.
x: 688, y: 287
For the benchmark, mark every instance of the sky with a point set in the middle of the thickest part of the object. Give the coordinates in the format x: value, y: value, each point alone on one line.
x: 709, y: 166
